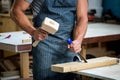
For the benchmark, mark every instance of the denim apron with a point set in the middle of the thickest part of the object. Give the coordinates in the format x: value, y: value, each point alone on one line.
x: 53, y: 49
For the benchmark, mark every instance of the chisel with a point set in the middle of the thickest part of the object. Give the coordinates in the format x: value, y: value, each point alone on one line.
x: 78, y: 57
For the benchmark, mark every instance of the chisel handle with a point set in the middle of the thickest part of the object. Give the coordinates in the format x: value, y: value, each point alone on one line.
x: 77, y: 57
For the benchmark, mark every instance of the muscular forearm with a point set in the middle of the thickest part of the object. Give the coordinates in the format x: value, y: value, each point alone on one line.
x: 80, y: 29
x: 82, y: 20
x: 79, y: 33
x: 81, y: 26
x: 21, y: 19
x: 18, y: 16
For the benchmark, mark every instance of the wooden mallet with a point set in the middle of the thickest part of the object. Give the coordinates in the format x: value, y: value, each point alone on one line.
x: 49, y: 25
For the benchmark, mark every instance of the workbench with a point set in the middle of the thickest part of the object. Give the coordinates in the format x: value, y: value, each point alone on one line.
x: 100, y: 32
x: 105, y: 73
x: 96, y: 32
x: 18, y: 42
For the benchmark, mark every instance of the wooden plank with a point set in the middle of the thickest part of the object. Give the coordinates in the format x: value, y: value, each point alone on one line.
x: 76, y: 66
x: 9, y: 65
x: 105, y: 73
x: 10, y: 78
x: 10, y: 73
x: 3, y: 66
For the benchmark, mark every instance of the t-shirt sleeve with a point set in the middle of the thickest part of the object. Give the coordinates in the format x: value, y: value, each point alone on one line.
x: 29, y: 1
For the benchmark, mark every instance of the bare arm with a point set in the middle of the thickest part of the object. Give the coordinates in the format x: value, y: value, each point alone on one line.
x: 18, y: 16
x: 81, y: 25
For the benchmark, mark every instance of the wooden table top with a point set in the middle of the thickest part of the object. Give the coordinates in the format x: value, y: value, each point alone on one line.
x: 18, y: 41
x: 101, y: 32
